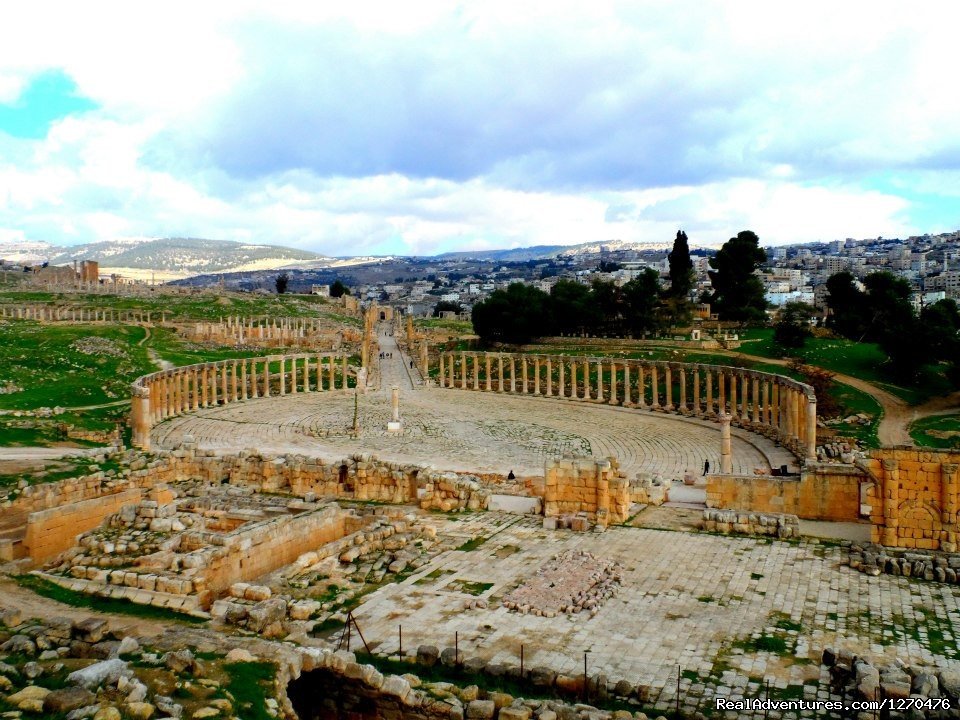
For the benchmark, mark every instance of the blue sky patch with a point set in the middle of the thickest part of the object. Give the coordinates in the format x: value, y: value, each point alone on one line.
x: 49, y: 97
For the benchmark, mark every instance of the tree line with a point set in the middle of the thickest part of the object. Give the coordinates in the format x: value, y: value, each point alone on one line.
x: 882, y: 313
x: 521, y: 313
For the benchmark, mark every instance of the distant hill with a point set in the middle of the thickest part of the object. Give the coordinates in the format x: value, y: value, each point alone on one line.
x: 546, y: 252
x: 183, y: 255
x: 26, y: 253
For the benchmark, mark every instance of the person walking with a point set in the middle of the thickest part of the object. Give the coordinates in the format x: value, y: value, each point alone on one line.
x: 706, y: 466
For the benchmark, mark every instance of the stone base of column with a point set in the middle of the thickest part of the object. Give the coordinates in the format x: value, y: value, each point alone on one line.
x: 394, y: 426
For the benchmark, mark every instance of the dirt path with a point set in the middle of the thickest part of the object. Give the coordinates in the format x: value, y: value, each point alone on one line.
x: 37, y: 606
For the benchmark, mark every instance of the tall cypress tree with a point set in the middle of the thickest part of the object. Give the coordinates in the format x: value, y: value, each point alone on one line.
x: 681, y: 267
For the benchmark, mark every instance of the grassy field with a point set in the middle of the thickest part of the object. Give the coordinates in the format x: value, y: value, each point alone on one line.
x: 69, y: 365
x: 941, y: 431
x: 860, y: 360
x: 192, y: 307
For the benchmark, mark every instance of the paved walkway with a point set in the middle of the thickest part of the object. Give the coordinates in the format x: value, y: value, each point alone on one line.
x: 692, y: 600
x: 464, y: 430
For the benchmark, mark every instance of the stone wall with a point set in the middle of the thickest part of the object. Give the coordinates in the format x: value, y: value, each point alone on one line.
x: 732, y: 522
x: 913, y: 497
x: 50, y: 532
x: 595, y: 487
x: 820, y: 492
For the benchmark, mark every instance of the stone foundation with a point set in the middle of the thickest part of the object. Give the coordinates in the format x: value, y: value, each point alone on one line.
x: 751, y: 523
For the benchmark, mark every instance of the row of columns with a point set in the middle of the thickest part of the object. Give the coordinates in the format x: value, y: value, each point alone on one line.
x: 52, y: 313
x: 180, y: 390
x: 752, y: 399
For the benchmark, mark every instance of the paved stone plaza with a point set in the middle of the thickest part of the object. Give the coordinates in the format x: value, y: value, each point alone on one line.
x: 692, y: 600
x: 464, y: 430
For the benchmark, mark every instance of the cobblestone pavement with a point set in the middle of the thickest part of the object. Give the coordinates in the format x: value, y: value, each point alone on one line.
x: 699, y: 601
x: 466, y: 430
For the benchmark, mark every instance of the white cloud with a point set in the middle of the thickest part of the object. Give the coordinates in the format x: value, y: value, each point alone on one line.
x: 362, y: 127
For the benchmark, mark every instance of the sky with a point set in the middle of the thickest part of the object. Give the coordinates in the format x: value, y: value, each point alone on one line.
x: 423, y: 127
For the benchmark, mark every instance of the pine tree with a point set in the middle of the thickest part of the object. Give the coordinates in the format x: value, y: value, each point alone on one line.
x: 737, y: 292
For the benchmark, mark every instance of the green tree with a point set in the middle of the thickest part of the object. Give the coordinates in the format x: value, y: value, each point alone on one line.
x: 572, y: 308
x: 515, y: 315
x: 847, y: 305
x: 737, y: 292
x: 640, y: 298
x: 338, y: 289
x: 281, y: 282
x: 607, y: 308
x: 793, y: 326
x: 681, y: 267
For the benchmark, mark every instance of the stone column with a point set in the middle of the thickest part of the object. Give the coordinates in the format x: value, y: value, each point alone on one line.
x: 573, y: 379
x: 627, y: 401
x: 733, y: 395
x: 765, y: 402
x: 696, y: 392
x: 425, y: 362
x: 726, y: 456
x: 225, y: 393
x: 343, y: 372
x: 709, y: 389
x: 395, y: 403
x: 756, y: 399
x: 500, y: 372
x: 641, y: 386
x: 140, y: 416
x: 293, y: 374
x: 332, y: 370
x: 440, y: 367
x: 683, y: 390
x: 523, y: 377
x: 668, y: 388
x: 283, y: 374
x: 811, y: 435
x: 744, y: 392
x: 513, y: 374
x: 561, y: 378
x: 266, y: 377
x: 243, y: 380
x: 891, y: 502
x: 795, y: 410
x: 536, y: 375
x: 175, y: 392
x: 214, y: 381
x: 599, y: 379
x: 721, y: 391
x: 463, y: 371
x: 476, y: 371
x: 487, y: 372
x: 613, y: 383
x: 306, y: 373
x: 234, y: 389
x: 654, y: 387
x: 196, y: 388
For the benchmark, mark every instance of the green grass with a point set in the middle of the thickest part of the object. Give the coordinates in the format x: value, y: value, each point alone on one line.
x: 472, y: 544
x: 470, y: 587
x: 40, y: 360
x: 206, y: 306
x: 939, y: 431
x: 47, y: 589
x: 859, y: 360
x: 250, y: 684
x: 853, y: 401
